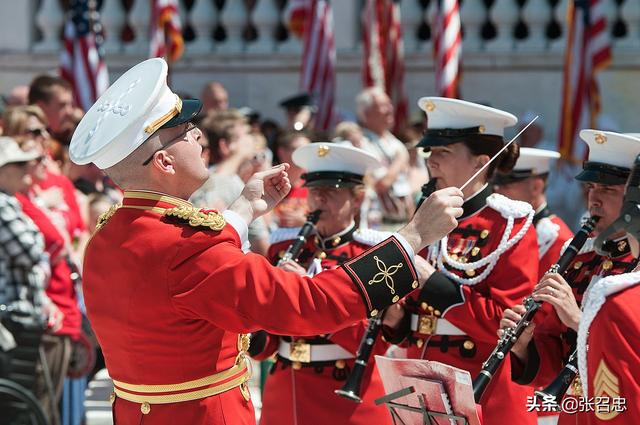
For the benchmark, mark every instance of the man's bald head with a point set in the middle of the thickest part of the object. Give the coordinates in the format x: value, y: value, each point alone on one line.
x: 214, y: 97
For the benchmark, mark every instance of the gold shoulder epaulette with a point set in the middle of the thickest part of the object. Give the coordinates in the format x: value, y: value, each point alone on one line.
x: 105, y: 216
x: 197, y: 217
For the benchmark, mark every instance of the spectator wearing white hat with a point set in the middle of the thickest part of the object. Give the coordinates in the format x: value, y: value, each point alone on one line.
x: 527, y: 182
x: 483, y: 267
x: 540, y: 352
x: 169, y: 291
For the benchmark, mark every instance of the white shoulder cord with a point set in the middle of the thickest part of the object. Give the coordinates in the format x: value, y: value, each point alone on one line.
x: 490, y: 260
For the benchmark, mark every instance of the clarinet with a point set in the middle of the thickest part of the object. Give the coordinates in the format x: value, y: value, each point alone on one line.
x: 351, y: 388
x: 511, y: 335
x: 294, y: 250
x: 559, y: 386
x: 561, y: 383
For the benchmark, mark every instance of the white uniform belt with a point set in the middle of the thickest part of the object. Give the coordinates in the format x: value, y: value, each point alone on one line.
x: 318, y: 352
x: 442, y: 326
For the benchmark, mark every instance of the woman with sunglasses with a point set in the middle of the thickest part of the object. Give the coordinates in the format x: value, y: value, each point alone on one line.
x: 54, y: 191
x: 487, y: 264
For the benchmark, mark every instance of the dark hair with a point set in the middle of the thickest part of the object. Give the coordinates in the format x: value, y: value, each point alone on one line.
x: 285, y: 140
x: 491, y: 145
x: 41, y: 88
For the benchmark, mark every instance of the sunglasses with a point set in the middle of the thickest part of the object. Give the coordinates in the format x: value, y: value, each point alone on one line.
x: 190, y: 126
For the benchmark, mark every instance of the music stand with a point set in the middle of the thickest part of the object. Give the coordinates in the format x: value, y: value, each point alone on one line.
x: 420, y: 392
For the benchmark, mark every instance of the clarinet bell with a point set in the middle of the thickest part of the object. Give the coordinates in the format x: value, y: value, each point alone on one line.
x: 350, y: 394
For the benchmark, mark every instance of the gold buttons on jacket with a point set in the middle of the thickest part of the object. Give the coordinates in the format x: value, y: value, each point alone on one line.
x: 470, y: 272
x: 395, y: 299
x: 468, y: 345
x: 420, y: 343
x: 484, y: 234
x: 145, y: 408
x: 475, y: 251
x: 374, y: 313
x: 607, y: 265
x: 424, y: 306
x: 577, y: 265
x: 415, y: 284
x: 296, y: 365
x: 340, y: 364
x: 322, y: 255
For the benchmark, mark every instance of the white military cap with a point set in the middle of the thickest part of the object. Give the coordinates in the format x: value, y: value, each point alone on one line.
x: 531, y: 162
x: 10, y: 152
x: 611, y: 156
x: 453, y: 120
x: 334, y: 165
x: 137, y: 105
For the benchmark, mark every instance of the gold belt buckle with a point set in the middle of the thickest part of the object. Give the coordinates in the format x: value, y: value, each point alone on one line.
x: 300, y: 351
x: 427, y: 324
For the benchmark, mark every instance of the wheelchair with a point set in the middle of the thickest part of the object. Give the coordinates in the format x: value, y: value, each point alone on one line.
x: 18, y: 405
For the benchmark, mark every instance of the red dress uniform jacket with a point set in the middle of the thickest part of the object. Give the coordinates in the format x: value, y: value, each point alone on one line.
x: 456, y: 323
x: 170, y: 294
x: 301, y: 392
x: 610, y: 368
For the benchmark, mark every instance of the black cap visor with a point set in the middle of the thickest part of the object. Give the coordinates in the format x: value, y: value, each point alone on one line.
x: 190, y: 109
x: 332, y: 179
x: 446, y: 136
x: 598, y: 172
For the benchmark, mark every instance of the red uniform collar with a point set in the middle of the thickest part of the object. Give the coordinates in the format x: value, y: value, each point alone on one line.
x: 153, y: 201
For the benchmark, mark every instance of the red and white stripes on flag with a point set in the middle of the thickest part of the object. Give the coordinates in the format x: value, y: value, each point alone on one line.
x: 383, y: 55
x: 166, y: 30
x: 318, y: 74
x: 447, y: 48
x: 81, y: 62
x: 588, y: 51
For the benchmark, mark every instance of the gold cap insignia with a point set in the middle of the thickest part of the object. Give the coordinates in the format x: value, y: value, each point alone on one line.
x: 600, y: 138
x: 482, y: 129
x: 323, y: 150
x: 429, y: 106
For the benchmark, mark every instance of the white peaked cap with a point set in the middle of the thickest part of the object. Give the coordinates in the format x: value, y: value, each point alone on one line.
x: 611, y: 156
x: 332, y: 164
x: 135, y: 106
x: 537, y: 161
x: 454, y: 114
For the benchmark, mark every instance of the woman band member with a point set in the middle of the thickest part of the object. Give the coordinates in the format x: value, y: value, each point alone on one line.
x: 487, y: 264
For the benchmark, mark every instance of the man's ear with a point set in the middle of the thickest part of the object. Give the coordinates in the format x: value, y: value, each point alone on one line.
x: 164, y: 162
x: 536, y: 186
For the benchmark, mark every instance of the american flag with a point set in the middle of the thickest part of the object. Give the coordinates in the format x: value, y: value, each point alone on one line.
x: 318, y: 75
x: 588, y: 51
x: 166, y: 30
x: 81, y: 60
x: 447, y: 48
x: 383, y: 59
